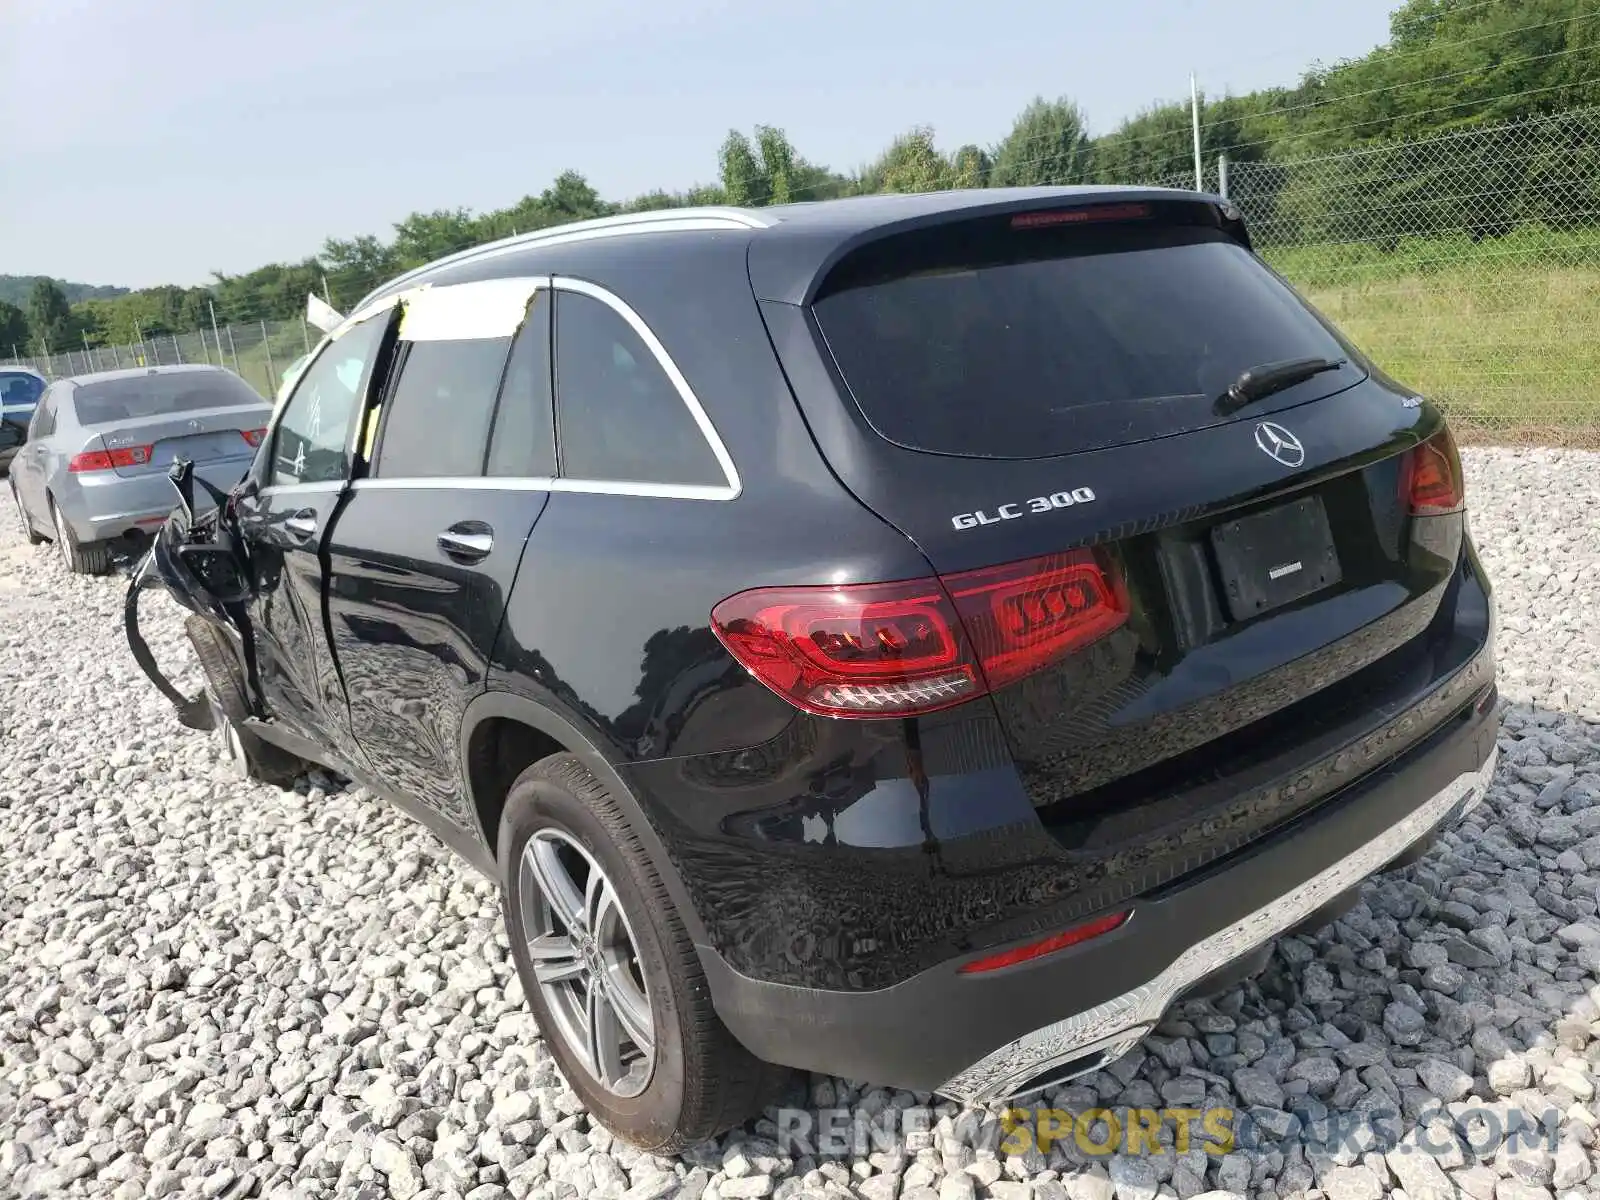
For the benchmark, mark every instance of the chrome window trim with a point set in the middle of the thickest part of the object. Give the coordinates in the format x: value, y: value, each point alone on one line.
x: 303, y: 489
x: 1107, y: 1030
x: 702, y: 219
x: 728, y: 490
x: 707, y: 430
x: 535, y: 483
x: 468, y: 294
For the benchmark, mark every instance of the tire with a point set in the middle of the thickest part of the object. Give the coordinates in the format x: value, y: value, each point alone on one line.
x: 699, y: 1081
x: 81, y: 558
x: 251, y: 757
x: 23, y: 519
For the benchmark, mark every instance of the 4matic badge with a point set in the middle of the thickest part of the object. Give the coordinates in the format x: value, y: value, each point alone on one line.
x: 1010, y: 512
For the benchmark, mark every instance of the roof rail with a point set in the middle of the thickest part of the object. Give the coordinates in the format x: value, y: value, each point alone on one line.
x: 705, y: 217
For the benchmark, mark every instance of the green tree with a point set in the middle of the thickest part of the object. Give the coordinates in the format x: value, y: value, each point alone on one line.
x: 778, y: 161
x: 911, y: 164
x: 49, y: 314
x: 13, y: 328
x: 744, y: 180
x: 423, y: 237
x: 769, y: 171
x: 970, y: 167
x: 1047, y: 145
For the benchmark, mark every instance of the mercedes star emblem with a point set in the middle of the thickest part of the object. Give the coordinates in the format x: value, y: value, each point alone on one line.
x: 1278, y: 443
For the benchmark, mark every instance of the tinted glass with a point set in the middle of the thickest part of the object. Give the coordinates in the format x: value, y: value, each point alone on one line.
x: 309, y: 444
x: 618, y: 415
x: 1028, y: 343
x: 436, y: 421
x: 19, y: 390
x: 523, y: 442
x: 142, y: 396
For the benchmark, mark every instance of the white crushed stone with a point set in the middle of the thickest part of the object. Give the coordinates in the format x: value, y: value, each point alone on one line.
x: 212, y: 989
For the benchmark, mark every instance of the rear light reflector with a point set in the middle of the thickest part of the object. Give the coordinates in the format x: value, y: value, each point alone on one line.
x: 1431, y: 482
x: 253, y: 436
x: 898, y: 649
x: 1077, y: 935
x: 106, y: 460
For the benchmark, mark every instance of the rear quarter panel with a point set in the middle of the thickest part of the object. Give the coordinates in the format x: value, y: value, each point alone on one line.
x: 609, y: 618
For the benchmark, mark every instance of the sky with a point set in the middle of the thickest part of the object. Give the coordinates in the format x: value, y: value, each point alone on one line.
x: 158, y: 143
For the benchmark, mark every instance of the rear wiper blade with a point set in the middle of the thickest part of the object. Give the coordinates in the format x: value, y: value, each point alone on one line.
x: 1260, y: 382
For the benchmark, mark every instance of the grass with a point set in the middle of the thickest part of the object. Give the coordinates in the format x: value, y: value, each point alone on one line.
x: 1504, y: 333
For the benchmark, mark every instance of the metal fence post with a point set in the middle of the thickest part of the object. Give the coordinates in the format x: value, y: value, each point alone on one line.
x: 217, y: 337
x: 233, y: 351
x: 1222, y: 176
x: 116, y: 356
x: 177, y: 350
x: 305, y: 335
x: 139, y: 332
x: 272, y: 371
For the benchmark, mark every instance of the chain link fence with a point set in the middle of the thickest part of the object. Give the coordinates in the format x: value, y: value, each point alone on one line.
x: 1467, y: 265
x: 258, y: 352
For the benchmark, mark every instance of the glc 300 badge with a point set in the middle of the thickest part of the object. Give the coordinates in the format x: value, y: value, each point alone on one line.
x: 1010, y: 512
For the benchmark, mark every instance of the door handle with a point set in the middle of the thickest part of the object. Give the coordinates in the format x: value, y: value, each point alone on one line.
x: 302, y: 526
x: 467, y: 541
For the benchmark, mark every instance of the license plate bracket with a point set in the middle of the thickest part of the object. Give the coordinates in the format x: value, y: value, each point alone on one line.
x: 1275, y: 557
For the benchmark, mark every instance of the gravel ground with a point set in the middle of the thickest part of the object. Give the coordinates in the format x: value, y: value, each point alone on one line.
x: 222, y: 990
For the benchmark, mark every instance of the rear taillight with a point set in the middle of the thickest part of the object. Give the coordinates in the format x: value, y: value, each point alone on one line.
x: 253, y: 436
x: 106, y: 460
x: 897, y: 649
x: 1430, y: 477
x: 874, y: 650
x: 1024, y: 616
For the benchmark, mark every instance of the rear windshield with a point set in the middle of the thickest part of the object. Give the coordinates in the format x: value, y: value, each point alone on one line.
x: 1025, y: 343
x: 19, y: 390
x: 159, y: 395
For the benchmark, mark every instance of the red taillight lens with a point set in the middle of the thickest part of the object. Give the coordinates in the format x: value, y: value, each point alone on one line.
x: 1060, y: 941
x: 897, y: 649
x: 874, y: 650
x: 1430, y: 478
x: 105, y: 460
x: 1080, y: 216
x: 253, y: 436
x: 1025, y: 615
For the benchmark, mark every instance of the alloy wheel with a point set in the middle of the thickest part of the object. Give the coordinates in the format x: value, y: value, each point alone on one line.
x: 586, y: 962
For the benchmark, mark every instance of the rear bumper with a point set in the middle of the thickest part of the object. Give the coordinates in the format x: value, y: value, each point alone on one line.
x: 985, y: 1038
x: 113, y: 506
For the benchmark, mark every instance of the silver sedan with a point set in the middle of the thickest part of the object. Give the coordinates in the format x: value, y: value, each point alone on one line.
x: 94, y: 470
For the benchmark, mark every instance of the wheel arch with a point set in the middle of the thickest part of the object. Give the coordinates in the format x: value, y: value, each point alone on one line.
x: 541, y: 731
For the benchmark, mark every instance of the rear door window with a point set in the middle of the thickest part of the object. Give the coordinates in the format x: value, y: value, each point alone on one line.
x: 998, y: 342
x: 436, y: 418
x: 620, y: 417
x: 523, y: 441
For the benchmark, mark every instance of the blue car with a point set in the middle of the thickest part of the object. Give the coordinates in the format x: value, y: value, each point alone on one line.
x: 20, y: 389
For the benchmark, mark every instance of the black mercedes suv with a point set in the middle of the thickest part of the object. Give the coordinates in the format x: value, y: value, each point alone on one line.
x: 917, y: 638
